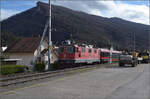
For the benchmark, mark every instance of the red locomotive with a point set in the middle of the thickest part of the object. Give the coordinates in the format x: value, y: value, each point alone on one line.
x: 74, y: 54
x: 79, y: 54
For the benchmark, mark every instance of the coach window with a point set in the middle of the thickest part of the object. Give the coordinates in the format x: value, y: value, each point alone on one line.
x: 113, y: 55
x: 107, y: 54
x: 90, y: 50
x: 116, y: 55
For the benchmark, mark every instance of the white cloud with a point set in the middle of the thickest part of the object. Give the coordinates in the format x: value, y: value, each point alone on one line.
x: 7, y: 13
x: 131, y: 12
x: 135, y: 13
x: 96, y: 12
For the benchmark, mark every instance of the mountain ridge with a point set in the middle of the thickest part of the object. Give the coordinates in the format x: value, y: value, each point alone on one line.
x: 80, y: 26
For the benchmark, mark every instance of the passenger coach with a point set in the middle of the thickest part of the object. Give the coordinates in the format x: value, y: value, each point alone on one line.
x: 105, y: 55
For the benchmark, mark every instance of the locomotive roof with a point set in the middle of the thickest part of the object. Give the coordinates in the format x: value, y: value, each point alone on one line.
x: 89, y: 46
x: 105, y: 50
x: 86, y: 46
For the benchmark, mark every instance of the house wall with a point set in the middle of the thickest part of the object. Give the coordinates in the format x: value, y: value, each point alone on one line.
x: 26, y: 58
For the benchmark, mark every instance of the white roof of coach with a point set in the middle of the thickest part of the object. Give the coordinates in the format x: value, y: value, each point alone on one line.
x: 116, y: 51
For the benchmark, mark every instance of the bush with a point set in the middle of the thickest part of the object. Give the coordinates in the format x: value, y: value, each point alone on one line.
x: 40, y: 66
x: 54, y: 66
x: 11, y: 69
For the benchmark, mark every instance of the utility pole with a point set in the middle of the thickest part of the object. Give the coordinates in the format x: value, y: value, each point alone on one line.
x: 111, y: 49
x: 49, y: 37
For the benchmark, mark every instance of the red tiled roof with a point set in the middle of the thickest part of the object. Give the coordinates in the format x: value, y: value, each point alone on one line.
x: 25, y: 45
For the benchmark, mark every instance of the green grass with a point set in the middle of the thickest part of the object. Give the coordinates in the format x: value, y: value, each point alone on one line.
x: 11, y: 69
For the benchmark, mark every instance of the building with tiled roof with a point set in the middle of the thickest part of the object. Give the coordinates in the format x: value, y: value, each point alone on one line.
x: 26, y: 49
x: 25, y: 45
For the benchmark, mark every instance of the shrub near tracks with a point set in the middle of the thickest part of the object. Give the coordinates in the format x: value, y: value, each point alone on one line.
x: 11, y: 69
x: 40, y: 66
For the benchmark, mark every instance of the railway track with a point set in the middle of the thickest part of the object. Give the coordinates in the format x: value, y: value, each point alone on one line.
x: 13, y: 80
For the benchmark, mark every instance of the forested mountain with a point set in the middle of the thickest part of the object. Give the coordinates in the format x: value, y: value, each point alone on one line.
x: 80, y: 26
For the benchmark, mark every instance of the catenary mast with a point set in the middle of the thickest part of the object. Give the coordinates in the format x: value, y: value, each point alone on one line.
x: 49, y: 37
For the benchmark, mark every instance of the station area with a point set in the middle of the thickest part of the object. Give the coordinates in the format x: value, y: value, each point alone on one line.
x: 50, y: 50
x: 101, y: 83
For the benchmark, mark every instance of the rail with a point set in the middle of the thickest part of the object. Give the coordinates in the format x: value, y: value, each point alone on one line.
x: 37, y: 76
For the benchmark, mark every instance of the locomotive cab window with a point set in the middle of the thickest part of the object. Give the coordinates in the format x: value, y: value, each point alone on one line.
x: 83, y: 49
x: 69, y: 49
x: 76, y: 49
x: 90, y: 50
x: 61, y: 49
x: 95, y: 51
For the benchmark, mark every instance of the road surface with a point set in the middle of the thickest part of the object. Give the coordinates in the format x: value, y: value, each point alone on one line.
x: 102, y: 83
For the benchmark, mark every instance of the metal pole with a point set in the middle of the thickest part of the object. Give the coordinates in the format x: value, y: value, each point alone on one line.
x: 111, y: 49
x: 39, y: 48
x: 49, y: 37
x: 134, y: 41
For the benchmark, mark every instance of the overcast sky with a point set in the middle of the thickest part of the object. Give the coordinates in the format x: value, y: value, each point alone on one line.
x: 132, y: 10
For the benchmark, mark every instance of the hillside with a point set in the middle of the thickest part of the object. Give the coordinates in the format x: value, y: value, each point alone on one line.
x: 82, y: 26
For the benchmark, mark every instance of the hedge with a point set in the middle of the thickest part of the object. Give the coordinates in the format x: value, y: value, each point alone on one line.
x: 11, y: 69
x: 40, y: 67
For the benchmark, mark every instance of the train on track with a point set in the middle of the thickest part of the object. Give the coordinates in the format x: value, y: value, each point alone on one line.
x: 79, y: 54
